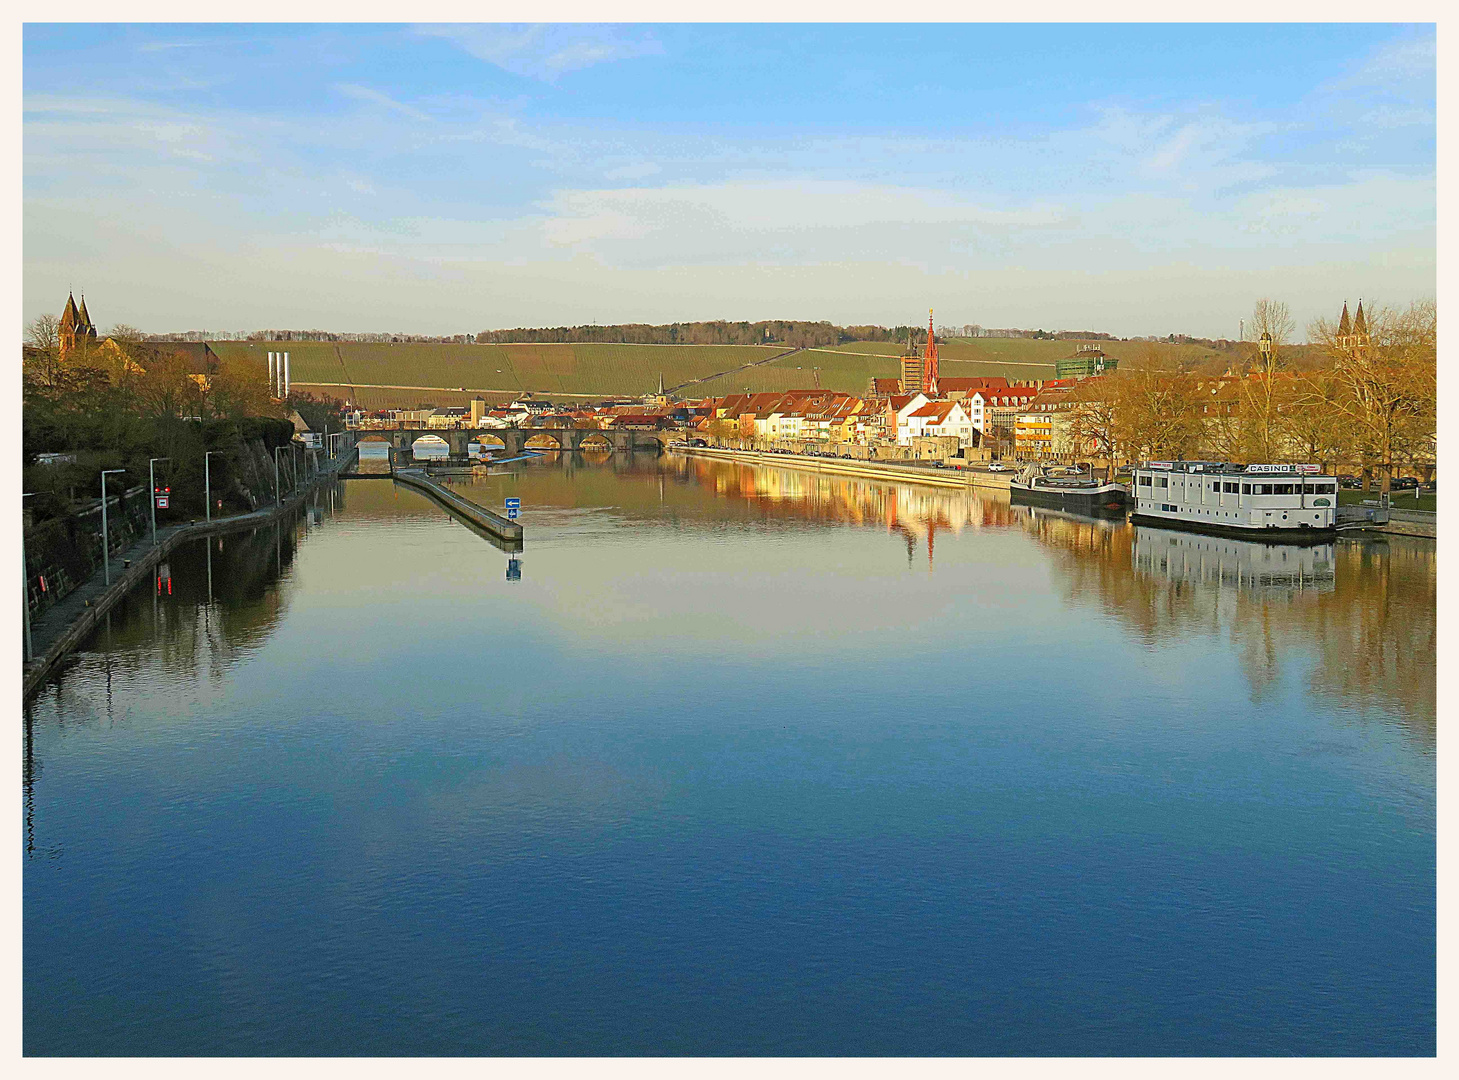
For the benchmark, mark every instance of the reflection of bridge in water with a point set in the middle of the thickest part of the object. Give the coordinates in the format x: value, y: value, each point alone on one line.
x: 515, y: 440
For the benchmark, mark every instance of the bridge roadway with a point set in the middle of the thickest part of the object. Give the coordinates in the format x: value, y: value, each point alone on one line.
x: 515, y: 439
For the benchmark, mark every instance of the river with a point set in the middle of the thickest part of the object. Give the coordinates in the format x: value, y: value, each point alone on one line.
x: 738, y: 760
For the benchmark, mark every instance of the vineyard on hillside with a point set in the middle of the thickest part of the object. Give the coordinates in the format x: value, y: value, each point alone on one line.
x: 583, y: 370
x: 378, y: 376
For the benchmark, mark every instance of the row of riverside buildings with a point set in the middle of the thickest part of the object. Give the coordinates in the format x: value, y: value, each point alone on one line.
x: 920, y: 414
x: 922, y: 411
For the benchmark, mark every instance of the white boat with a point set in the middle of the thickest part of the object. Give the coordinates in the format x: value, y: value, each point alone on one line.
x: 1275, y: 502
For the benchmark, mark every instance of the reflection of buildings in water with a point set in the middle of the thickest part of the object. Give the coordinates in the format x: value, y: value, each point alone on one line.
x: 1364, y: 609
x: 1272, y: 569
x: 914, y: 512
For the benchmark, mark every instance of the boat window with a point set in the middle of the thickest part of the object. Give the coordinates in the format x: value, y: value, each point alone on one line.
x: 1232, y: 487
x: 1144, y: 481
x: 1284, y: 489
x: 1162, y: 481
x: 1246, y: 489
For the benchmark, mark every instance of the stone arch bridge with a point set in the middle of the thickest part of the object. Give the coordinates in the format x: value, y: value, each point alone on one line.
x: 515, y: 439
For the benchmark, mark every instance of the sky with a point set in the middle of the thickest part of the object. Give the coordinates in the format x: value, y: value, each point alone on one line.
x: 449, y: 179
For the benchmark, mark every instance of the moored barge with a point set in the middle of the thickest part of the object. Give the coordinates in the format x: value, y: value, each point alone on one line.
x: 1072, y: 490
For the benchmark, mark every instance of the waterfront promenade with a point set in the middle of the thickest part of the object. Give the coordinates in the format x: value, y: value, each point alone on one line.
x: 59, y: 629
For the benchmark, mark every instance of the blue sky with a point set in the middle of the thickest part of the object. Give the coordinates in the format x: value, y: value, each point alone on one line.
x: 1131, y: 179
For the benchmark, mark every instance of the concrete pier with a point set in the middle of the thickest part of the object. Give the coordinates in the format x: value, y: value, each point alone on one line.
x: 478, y: 515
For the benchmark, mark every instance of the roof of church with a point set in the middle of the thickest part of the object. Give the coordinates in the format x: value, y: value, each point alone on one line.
x: 1345, y: 326
x: 1360, y: 324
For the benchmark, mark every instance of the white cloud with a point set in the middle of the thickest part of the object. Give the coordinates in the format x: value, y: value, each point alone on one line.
x: 364, y: 93
x: 1410, y: 61
x: 691, y: 211
x: 547, y: 51
x: 632, y: 172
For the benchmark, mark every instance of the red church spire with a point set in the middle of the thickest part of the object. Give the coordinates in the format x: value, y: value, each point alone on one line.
x: 929, y: 361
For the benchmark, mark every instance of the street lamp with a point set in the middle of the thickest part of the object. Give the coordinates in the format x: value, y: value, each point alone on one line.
x: 278, y: 489
x: 208, y: 481
x: 152, y: 483
x: 105, y: 535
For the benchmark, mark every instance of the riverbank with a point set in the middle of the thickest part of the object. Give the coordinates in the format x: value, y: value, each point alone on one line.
x: 876, y: 470
x: 60, y: 629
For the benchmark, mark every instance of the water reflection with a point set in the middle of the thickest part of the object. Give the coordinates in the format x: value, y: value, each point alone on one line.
x: 1277, y: 571
x: 463, y: 807
x: 1364, y: 609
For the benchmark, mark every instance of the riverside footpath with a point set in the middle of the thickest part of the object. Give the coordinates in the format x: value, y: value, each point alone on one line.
x: 56, y: 632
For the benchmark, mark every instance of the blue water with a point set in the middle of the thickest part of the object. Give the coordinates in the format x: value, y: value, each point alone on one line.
x: 746, y: 762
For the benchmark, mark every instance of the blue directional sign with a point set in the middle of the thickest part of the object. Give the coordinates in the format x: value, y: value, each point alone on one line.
x: 513, y: 513
x: 514, y: 504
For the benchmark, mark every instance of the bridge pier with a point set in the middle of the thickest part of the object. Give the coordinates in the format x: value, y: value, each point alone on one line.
x: 569, y: 440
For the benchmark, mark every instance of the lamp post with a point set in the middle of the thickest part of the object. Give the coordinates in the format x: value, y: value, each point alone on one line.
x: 208, y: 481
x: 105, y: 534
x: 152, y: 483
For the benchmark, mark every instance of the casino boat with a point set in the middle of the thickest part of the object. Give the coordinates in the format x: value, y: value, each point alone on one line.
x: 1068, y: 489
x: 1273, y: 502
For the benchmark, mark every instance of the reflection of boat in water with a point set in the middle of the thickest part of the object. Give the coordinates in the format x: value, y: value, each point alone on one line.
x: 1247, y: 565
x: 1068, y: 489
x: 1045, y: 513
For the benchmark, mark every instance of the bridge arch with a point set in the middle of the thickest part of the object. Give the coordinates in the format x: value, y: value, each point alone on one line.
x: 430, y: 447
x: 594, y: 441
x: 544, y: 440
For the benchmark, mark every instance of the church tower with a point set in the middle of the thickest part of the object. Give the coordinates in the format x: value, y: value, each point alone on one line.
x: 1352, y: 335
x: 929, y: 361
x: 76, y: 326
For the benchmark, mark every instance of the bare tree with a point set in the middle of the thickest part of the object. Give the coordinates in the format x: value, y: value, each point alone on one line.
x: 123, y: 332
x: 1274, y: 318
x: 1384, y: 390
x: 44, y: 332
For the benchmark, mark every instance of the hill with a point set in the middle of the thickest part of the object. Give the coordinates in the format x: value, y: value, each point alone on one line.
x: 377, y: 376
x: 384, y: 375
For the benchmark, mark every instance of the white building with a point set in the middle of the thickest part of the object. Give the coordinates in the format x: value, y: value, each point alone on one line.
x: 938, y: 418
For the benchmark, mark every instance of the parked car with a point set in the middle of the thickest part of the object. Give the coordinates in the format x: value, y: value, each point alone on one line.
x: 1432, y: 485
x: 1405, y: 483
x: 1348, y: 481
x: 997, y: 466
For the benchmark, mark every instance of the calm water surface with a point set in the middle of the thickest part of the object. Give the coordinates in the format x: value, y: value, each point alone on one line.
x: 739, y: 761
